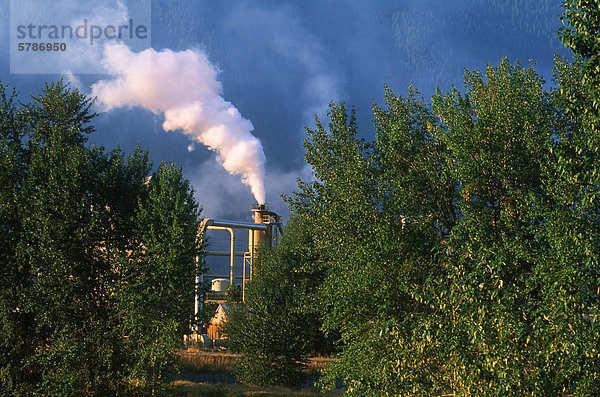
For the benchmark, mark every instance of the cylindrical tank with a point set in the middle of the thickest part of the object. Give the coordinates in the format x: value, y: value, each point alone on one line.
x: 219, y: 285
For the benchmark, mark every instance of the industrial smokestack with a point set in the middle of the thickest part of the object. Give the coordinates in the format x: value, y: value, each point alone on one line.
x: 259, y: 210
x: 270, y: 236
x: 255, y: 237
x: 184, y: 87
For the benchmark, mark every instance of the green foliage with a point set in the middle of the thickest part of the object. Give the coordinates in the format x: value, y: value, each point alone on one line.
x: 372, y: 234
x: 14, y: 322
x: 580, y: 34
x: 234, y: 295
x: 78, y: 228
x: 157, y: 286
x: 460, y: 249
x: 76, y: 347
x: 496, y: 287
x: 270, y: 331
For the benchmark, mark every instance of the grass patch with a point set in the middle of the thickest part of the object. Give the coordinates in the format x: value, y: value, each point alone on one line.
x: 195, y: 361
x: 191, y: 389
x: 206, y: 361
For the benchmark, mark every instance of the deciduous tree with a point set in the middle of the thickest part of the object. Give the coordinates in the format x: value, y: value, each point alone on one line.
x: 275, y: 329
x: 89, y: 254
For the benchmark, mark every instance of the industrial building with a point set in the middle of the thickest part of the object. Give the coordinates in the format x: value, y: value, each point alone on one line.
x: 265, y: 229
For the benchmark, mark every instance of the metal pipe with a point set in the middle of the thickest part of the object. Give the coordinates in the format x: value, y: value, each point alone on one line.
x: 252, y: 253
x: 212, y: 276
x: 251, y: 245
x: 210, y: 223
x: 231, y: 251
x: 240, y: 225
x: 197, y: 302
x: 196, y: 289
x: 232, y: 224
x: 256, y: 232
x: 222, y: 253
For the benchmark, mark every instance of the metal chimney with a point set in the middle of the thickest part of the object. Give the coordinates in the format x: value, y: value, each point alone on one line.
x: 255, y: 237
x: 270, y: 235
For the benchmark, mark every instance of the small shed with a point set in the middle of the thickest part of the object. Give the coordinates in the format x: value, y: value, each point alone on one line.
x: 215, y: 323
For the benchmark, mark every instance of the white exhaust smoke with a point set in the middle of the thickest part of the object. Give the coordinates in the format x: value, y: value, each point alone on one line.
x: 183, y: 85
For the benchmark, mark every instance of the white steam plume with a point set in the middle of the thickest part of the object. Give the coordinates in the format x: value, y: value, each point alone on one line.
x: 184, y: 86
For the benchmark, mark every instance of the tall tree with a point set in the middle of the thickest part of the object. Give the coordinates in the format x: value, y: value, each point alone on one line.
x: 15, y: 322
x: 580, y: 33
x: 276, y: 328
x: 73, y: 221
x: 69, y: 295
x: 499, y: 133
x: 157, y: 287
x: 374, y: 232
x: 450, y: 262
